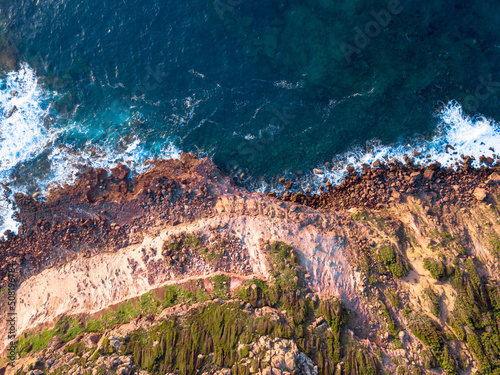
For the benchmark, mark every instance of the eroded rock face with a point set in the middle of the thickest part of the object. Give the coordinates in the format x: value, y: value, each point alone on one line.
x: 265, y: 356
x: 102, y: 212
x: 168, y: 226
x: 276, y: 356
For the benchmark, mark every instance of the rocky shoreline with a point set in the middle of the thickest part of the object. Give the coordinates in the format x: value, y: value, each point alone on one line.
x: 385, y: 182
x: 409, y: 252
x: 104, y: 211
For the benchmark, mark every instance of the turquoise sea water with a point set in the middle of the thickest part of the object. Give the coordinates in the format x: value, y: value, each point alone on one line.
x: 263, y: 87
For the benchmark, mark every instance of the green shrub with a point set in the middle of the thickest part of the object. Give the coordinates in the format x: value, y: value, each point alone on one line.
x: 149, y: 305
x: 435, y: 267
x: 391, y: 325
x: 221, y: 286
x: 427, y: 330
x: 392, y: 261
x: 495, y: 245
x: 67, y: 328
x: 192, y: 240
x: 361, y: 362
x: 433, y: 300
x: 392, y: 296
x: 361, y: 215
x: 332, y: 311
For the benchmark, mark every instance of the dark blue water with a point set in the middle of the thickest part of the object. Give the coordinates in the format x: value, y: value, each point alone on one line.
x: 263, y: 87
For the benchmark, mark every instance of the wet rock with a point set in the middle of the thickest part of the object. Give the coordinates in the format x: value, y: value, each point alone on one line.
x: 318, y: 171
x: 416, y: 153
x: 11, y: 112
x: 120, y: 172
x: 288, y: 185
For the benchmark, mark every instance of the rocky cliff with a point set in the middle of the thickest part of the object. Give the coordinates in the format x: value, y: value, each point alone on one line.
x: 178, y: 270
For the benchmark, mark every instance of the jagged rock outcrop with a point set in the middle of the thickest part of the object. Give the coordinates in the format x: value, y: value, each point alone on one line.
x: 412, y: 253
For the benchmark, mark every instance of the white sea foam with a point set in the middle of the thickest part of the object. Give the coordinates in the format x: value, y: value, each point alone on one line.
x: 22, y: 134
x: 67, y: 161
x: 469, y: 136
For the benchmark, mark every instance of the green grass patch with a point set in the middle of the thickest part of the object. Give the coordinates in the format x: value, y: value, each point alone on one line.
x: 433, y: 300
x: 392, y: 296
x: 436, y: 268
x: 67, y: 328
x: 388, y: 256
x: 428, y: 331
x: 221, y: 286
x: 495, y: 245
x: 361, y: 215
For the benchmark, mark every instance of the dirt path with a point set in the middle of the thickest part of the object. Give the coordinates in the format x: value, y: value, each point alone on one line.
x: 88, y: 285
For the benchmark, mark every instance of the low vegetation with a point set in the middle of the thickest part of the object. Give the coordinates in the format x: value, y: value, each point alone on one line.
x: 433, y: 301
x: 436, y: 268
x: 393, y: 261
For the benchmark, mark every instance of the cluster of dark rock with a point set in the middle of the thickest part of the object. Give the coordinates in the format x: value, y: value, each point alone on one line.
x: 391, y: 181
x: 105, y: 212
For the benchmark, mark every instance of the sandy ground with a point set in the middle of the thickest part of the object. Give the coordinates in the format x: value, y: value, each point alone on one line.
x: 88, y: 285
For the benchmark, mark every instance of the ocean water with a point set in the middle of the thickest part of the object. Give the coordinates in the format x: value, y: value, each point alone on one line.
x: 265, y: 88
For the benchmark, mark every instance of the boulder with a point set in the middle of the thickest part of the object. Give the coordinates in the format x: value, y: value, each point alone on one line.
x: 55, y: 343
x: 493, y: 178
x: 429, y: 173
x: 92, y: 340
x: 120, y: 172
x: 416, y: 176
x: 480, y: 194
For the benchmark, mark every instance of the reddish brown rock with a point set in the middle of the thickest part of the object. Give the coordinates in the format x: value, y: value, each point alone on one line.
x: 493, y: 178
x: 480, y: 194
x: 416, y: 176
x: 120, y: 172
x: 429, y: 173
